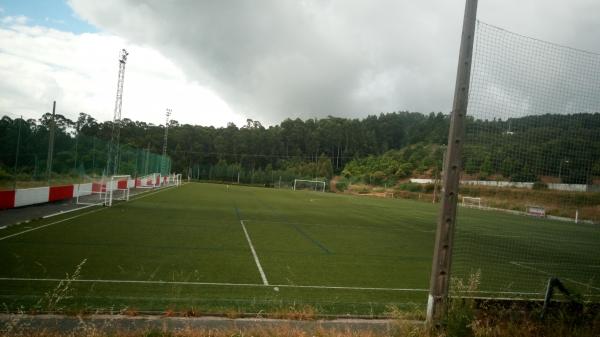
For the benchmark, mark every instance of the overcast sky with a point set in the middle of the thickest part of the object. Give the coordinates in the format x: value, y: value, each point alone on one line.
x: 215, y: 62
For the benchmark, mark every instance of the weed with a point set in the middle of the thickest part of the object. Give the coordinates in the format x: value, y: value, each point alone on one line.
x: 63, y: 291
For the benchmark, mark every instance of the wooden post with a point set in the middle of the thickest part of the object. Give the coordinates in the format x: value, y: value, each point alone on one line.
x: 442, y: 255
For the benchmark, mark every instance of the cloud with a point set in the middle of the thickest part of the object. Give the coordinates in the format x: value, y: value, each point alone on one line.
x: 277, y: 59
x: 14, y: 20
x: 79, y: 71
x: 299, y: 58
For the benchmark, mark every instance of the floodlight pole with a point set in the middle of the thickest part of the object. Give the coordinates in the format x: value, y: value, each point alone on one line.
x: 442, y: 254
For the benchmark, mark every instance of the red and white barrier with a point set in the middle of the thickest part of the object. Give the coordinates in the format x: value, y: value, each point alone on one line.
x: 31, y: 196
x: 39, y: 195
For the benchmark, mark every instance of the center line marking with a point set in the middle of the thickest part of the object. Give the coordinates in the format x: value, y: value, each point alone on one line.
x: 260, y: 270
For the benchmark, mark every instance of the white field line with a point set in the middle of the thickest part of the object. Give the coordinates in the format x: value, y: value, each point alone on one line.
x: 211, y: 284
x: 559, y: 264
x: 260, y: 270
x: 498, y: 292
x: 68, y: 211
x: 549, y: 274
x: 50, y: 224
x: 71, y: 218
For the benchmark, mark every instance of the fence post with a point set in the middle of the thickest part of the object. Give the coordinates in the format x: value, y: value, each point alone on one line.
x: 442, y: 255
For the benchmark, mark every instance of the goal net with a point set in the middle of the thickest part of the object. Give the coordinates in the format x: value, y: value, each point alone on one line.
x: 471, y: 202
x: 117, y: 189
x: 92, y: 193
x: 171, y: 180
x: 313, y: 185
x: 148, y: 181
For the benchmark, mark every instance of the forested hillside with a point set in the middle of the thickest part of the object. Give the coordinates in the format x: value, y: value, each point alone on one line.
x: 387, y: 147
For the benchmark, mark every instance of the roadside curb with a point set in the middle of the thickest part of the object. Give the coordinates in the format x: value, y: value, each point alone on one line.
x: 123, y: 323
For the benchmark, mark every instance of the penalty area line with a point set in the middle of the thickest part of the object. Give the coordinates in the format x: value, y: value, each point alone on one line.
x: 225, y: 284
x: 518, y: 264
x: 260, y: 270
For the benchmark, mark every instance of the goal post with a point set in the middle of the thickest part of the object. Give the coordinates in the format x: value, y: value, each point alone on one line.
x: 117, y: 189
x: 315, y: 185
x: 91, y: 193
x: 471, y: 202
x: 146, y: 181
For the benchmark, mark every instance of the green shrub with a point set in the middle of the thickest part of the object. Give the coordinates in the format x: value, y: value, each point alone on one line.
x: 341, y: 185
x: 5, y: 175
x: 411, y: 187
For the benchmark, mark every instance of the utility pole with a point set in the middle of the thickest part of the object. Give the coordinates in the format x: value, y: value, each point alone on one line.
x: 438, y: 174
x: 444, y: 238
x: 112, y: 164
x: 17, y: 152
x: 50, y: 143
x: 76, y: 144
x: 147, y: 161
x: 163, y: 166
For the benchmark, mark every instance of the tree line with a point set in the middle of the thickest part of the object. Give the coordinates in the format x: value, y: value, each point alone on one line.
x: 388, y: 146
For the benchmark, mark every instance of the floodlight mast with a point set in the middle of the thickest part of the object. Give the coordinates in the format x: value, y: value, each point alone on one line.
x: 112, y: 164
x: 164, y: 152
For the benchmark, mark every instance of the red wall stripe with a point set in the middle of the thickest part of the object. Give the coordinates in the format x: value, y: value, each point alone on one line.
x: 60, y: 193
x: 7, y: 199
x: 122, y: 184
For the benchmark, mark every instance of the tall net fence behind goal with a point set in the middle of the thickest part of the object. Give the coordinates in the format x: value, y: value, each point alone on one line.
x: 532, y: 157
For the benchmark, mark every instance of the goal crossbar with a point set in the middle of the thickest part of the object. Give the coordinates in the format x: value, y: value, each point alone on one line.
x: 471, y: 202
x: 316, y: 182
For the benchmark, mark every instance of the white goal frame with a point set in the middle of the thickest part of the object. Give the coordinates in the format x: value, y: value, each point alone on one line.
x: 143, y: 181
x: 113, y: 186
x: 471, y: 202
x: 310, y: 181
x: 177, y: 179
x: 86, y: 191
x: 538, y: 211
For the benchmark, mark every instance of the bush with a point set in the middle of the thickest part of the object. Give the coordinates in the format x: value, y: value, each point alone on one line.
x: 5, y: 175
x: 341, y: 185
x: 411, y: 187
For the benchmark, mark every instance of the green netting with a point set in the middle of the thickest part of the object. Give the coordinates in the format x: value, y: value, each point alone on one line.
x: 76, y: 157
x: 531, y: 168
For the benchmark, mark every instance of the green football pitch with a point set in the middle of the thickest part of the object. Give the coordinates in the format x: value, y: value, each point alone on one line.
x: 220, y: 248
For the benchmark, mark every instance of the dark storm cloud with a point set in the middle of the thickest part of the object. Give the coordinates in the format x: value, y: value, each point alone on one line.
x: 273, y: 59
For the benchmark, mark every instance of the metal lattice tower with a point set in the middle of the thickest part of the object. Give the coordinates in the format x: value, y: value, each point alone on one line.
x: 113, y: 150
x: 163, y: 165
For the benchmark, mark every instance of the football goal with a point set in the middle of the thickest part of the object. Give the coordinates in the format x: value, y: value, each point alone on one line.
x: 471, y: 202
x: 92, y: 193
x: 172, y: 180
x: 117, y: 189
x: 148, y: 181
x: 536, y: 211
x: 314, y: 185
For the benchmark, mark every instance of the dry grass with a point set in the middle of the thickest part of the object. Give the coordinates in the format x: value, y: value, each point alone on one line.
x: 492, y: 322
x: 296, y: 312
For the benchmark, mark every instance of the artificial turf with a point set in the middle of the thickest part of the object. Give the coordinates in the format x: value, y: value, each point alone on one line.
x: 185, y: 249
